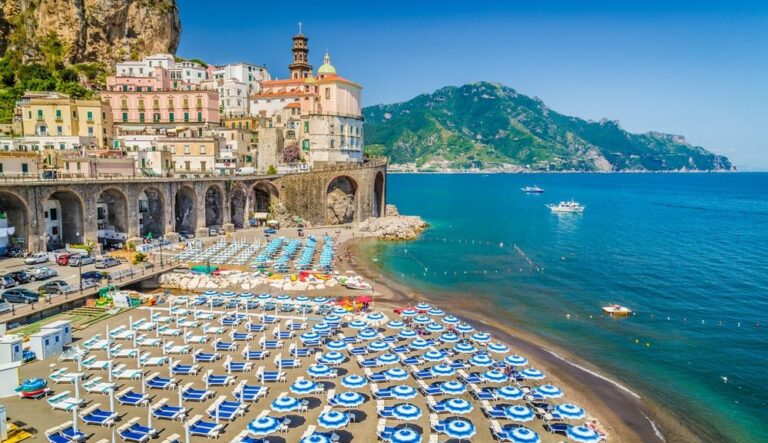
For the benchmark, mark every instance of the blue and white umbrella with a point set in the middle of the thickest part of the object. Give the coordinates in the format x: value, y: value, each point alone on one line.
x: 283, y: 297
x: 319, y: 370
x: 375, y: 316
x: 464, y: 348
x: 358, y: 324
x: 378, y: 346
x: 301, y: 298
x: 396, y: 374
x: 340, y: 311
x: 333, y: 318
x: 582, y: 434
x: 570, y: 411
x: 368, y: 334
x: 519, y: 413
x: 263, y: 426
x: 532, y: 374
x: 264, y: 296
x: 315, y: 438
x: 405, y: 435
x: 403, y: 392
x: 409, y: 312
x: 309, y: 336
x: 303, y: 386
x: 349, y: 399
x: 523, y: 435
x: 395, y: 324
x: 407, y: 333
x: 320, y: 300
x: 433, y: 355
x: 423, y: 306
x: 449, y: 337
x: 210, y: 293
x: 515, y: 360
x: 422, y: 319
x: 420, y: 344
x: 494, y: 376
x: 464, y: 328
x: 457, y: 406
x: 481, y: 337
x: 228, y: 294
x: 434, y: 327
x: 460, y: 428
x: 442, y: 370
x: 354, y: 381
x: 333, y: 420
x: 549, y: 391
x: 286, y: 404
x: 498, y: 348
x: 509, y: 393
x: 453, y: 387
x: 332, y: 358
x: 406, y: 412
x: 321, y: 327
x: 481, y: 360
x: 387, y: 359
x: 434, y: 312
x: 336, y: 345
x: 451, y: 320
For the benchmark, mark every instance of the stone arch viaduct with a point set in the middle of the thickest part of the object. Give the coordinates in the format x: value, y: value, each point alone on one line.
x: 166, y: 206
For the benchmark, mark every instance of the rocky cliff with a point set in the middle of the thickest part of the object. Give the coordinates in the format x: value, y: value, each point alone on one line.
x: 82, y: 31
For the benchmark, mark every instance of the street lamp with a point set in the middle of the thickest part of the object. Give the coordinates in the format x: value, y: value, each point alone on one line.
x: 80, y: 267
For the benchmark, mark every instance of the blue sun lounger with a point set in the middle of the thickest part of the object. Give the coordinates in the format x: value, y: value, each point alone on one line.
x: 556, y: 428
x: 401, y: 349
x: 180, y: 369
x: 168, y: 412
x: 98, y: 417
x: 368, y: 363
x: 71, y: 434
x: 494, y: 412
x: 206, y: 357
x: 255, y: 355
x: 272, y: 376
x: 129, y: 435
x: 57, y: 437
x: 241, y: 336
x: 433, y: 389
x: 250, y: 393
x: 158, y: 382
x: 130, y: 398
x: 362, y: 350
x: 474, y: 377
x: 389, y: 339
x: 459, y: 364
x: 383, y: 394
x: 423, y: 374
x: 195, y: 394
x: 205, y: 428
x: 376, y: 377
x: 385, y: 412
x: 412, y: 361
x: 288, y: 363
x: 482, y: 394
x: 239, y: 366
x: 304, y: 352
x: 257, y: 327
x: 219, y: 380
x: 269, y: 319
x: 225, y: 345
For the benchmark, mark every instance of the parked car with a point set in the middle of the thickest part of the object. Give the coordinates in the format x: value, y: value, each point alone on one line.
x: 213, y: 231
x: 270, y: 231
x: 6, y: 281
x: 55, y: 287
x: 96, y: 275
x: 185, y: 235
x: 63, y: 259
x: 20, y: 295
x: 106, y: 262
x: 41, y: 273
x: 21, y: 276
x: 81, y: 260
x: 36, y: 258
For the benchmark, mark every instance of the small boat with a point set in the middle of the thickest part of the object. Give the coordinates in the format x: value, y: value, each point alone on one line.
x: 617, y: 310
x: 357, y: 283
x: 33, y: 388
x: 532, y: 189
x: 571, y: 206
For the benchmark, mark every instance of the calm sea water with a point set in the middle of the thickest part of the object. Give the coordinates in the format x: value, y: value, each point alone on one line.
x: 687, y: 252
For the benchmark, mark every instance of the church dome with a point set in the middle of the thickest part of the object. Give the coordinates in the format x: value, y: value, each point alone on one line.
x: 327, y: 68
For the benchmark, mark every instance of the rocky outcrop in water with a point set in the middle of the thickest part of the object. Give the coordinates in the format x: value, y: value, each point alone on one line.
x: 393, y: 226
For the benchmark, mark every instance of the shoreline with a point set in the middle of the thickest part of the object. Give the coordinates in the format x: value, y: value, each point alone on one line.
x: 626, y: 413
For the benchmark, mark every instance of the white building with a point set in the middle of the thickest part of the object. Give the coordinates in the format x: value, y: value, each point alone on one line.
x: 251, y: 75
x: 183, y: 71
x: 188, y: 72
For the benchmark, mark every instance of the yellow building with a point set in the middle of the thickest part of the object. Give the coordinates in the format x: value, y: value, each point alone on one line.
x: 56, y: 120
x: 193, y: 154
x: 245, y: 122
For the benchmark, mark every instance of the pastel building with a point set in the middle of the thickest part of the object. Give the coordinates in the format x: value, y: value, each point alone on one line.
x: 183, y: 74
x: 235, y: 82
x: 163, y: 108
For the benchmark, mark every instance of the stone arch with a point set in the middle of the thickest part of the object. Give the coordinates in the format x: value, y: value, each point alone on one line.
x: 378, y: 195
x: 341, y: 200
x: 152, y: 212
x: 214, y: 206
x: 185, y: 209
x: 64, y: 222
x: 16, y: 214
x: 112, y: 214
x: 237, y: 205
x: 264, y: 194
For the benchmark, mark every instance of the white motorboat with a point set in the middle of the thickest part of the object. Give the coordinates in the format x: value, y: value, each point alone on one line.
x: 532, y: 189
x: 570, y: 206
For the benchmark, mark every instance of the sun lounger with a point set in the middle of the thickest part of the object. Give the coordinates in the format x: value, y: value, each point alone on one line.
x: 238, y: 366
x: 62, y: 376
x: 556, y: 428
x: 256, y: 327
x: 95, y: 343
x: 271, y: 376
x: 211, y: 379
x: 197, y: 426
x: 196, y: 339
x: 187, y: 324
x: 470, y: 378
x: 213, y: 329
x: 190, y: 393
x: 459, y: 364
x: 367, y: 363
x: 270, y: 344
x: 164, y: 411
x: 254, y: 355
x: 96, y: 386
x: 147, y: 359
x: 384, y: 411
x: 380, y: 394
x: 122, y: 335
x: 68, y: 431
x: 375, y: 376
x: 220, y: 345
x: 492, y: 411
x: 481, y: 394
x: 55, y: 436
x: 241, y: 336
x: 206, y: 357
x: 181, y: 369
x: 130, y: 398
x: 435, y: 407
x: 245, y: 392
x: 149, y: 342
x: 171, y: 348
x: 167, y: 331
x: 155, y: 381
x: 64, y: 401
x: 433, y: 389
x: 93, y: 415
x: 436, y: 424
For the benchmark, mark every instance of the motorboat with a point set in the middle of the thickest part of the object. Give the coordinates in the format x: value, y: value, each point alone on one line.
x: 356, y: 283
x: 532, y: 189
x: 569, y: 206
x: 617, y: 310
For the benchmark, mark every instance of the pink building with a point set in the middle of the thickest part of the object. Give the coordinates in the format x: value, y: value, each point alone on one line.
x: 163, y: 107
x: 160, y: 80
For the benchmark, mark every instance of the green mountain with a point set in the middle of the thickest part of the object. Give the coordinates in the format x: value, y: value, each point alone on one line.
x: 491, y: 126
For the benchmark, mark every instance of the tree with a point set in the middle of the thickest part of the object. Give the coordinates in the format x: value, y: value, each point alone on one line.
x: 271, y: 170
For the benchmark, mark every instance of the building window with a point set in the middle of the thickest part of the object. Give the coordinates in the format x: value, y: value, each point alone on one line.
x: 53, y: 212
x: 306, y: 126
x: 25, y: 168
x: 200, y: 117
x: 124, y: 104
x: 58, y: 114
x: 202, y: 166
x: 39, y: 114
x: 141, y: 117
x: 305, y: 145
x: 202, y: 149
x: 89, y: 116
x: 333, y: 143
x: 90, y: 131
x: 187, y: 165
x: 156, y: 117
x: 59, y: 130
x: 78, y: 166
x: 186, y: 116
x: 186, y: 150
x: 170, y: 116
x: 125, y: 117
x: 328, y: 93
x: 1, y: 168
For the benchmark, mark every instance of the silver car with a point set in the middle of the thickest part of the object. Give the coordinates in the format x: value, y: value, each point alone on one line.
x: 81, y: 260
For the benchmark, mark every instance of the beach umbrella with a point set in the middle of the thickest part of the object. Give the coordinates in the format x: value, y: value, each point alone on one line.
x: 396, y: 374
x: 453, y: 387
x: 368, y: 334
x: 263, y: 297
x: 434, y: 312
x: 464, y: 348
x: 358, y: 324
x: 319, y: 370
x: 405, y: 435
x: 494, y: 376
x: 422, y: 319
x: 309, y: 336
x: 111, y: 394
x: 387, y: 359
x: 228, y: 294
x: 523, y: 435
x: 582, y: 434
x: 464, y: 328
x: 349, y: 399
x: 74, y: 419
x: 420, y: 344
x: 481, y: 360
x: 378, y: 346
x: 451, y: 320
x: 460, y: 428
x: 403, y: 392
x: 509, y: 393
x: 549, y: 391
x: 283, y: 297
x: 481, y: 337
x: 263, y: 426
x: 498, y: 348
x: 409, y: 312
x: 375, y: 316
x: 442, y: 370
x: 532, y: 374
x: 332, y: 318
x: 435, y: 327
x: 354, y: 381
x: 515, y: 360
x: 423, y: 306
x: 321, y: 327
x: 433, y: 355
x: 457, y: 406
x: 315, y: 438
x: 320, y: 300
x: 449, y: 337
x: 407, y: 333
x: 519, y: 413
x: 570, y: 411
x: 406, y: 412
x: 285, y: 404
x: 395, y: 324
x: 303, y: 386
x: 332, y: 358
x: 300, y: 298
x: 210, y: 293
x: 340, y: 311
x: 336, y: 345
x: 333, y: 420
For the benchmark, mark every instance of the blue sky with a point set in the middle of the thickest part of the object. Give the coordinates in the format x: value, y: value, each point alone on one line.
x: 696, y: 68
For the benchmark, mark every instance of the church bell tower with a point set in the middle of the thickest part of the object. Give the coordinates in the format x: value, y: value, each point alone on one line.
x: 300, y: 68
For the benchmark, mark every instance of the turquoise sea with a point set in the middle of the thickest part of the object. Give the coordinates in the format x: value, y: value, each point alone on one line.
x: 687, y: 252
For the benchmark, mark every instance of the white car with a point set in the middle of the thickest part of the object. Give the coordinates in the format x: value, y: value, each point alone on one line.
x: 36, y: 258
